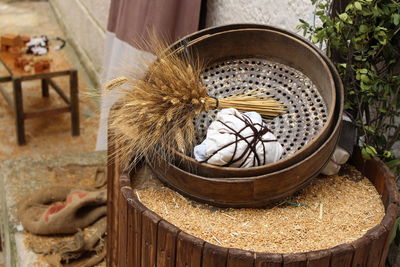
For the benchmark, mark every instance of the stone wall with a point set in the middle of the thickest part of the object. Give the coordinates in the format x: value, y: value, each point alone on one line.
x: 283, y: 13
x: 84, y: 22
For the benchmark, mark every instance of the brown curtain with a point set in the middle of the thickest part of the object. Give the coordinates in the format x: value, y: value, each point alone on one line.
x: 132, y: 20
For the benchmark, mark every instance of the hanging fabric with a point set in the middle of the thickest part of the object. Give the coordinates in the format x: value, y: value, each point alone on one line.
x: 129, y: 24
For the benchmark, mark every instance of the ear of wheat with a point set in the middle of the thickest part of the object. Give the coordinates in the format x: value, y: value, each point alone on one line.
x: 155, y: 114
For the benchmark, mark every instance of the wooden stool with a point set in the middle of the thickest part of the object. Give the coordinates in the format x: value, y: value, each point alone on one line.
x: 17, y: 76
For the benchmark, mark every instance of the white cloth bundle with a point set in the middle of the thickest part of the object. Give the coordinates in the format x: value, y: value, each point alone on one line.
x: 238, y: 140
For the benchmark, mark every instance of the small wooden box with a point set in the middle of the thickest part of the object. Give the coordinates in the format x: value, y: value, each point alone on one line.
x: 41, y: 66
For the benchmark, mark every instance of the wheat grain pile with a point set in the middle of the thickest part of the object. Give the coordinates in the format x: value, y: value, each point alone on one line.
x: 337, y: 209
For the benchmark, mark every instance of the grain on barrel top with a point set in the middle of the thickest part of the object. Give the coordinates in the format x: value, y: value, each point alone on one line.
x: 331, y: 211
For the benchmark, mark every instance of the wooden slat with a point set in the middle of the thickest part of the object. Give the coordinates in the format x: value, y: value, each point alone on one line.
x: 373, y: 172
x: 342, y: 255
x: 5, y: 79
x: 392, y: 195
x: 134, y: 228
x: 124, y: 182
x: 122, y: 231
x: 393, y: 192
x: 58, y: 90
x: 113, y: 240
x: 135, y: 233
x: 44, y: 75
x: 45, y: 113
x: 122, y: 222
x: 73, y: 85
x: 189, y: 251
x: 214, y: 255
x: 378, y: 236
x: 19, y: 111
x: 45, y: 88
x: 357, y: 160
x: 268, y: 260
x: 388, y: 223
x: 8, y: 61
x: 318, y: 258
x: 294, y: 260
x: 6, y: 97
x: 110, y: 200
x: 361, y: 248
x: 166, y: 244
x: 240, y: 258
x: 149, y: 238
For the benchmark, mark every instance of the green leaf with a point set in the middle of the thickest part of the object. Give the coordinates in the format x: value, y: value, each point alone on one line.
x: 368, y: 152
x: 364, y: 78
x: 365, y: 154
x: 348, y: 7
x: 372, y: 150
x: 369, y: 129
x: 315, y: 39
x: 343, y: 16
x: 358, y: 5
x: 364, y: 87
x: 338, y: 25
x: 363, y: 28
x: 388, y: 154
x: 396, y: 19
x: 304, y: 22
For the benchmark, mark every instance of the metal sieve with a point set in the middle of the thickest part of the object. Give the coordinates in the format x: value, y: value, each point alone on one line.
x: 306, y: 109
x: 240, y: 59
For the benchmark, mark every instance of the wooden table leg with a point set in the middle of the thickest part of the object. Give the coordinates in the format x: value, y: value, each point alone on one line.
x: 45, y: 88
x: 73, y: 80
x: 19, y: 111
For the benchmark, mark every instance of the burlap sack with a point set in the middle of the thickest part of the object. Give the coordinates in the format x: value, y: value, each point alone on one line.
x: 61, y: 210
x: 87, y: 248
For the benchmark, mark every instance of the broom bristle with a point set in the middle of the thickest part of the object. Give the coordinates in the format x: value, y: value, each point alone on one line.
x: 155, y: 114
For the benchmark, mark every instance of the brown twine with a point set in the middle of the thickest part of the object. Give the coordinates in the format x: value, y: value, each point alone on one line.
x: 251, y: 148
x: 216, y: 101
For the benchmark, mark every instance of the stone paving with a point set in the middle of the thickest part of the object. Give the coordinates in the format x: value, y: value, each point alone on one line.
x: 45, y: 136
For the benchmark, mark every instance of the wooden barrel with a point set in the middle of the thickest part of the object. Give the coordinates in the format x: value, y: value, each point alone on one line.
x: 139, y: 237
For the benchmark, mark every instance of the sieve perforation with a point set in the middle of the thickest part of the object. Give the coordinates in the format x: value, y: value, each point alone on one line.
x: 306, y: 111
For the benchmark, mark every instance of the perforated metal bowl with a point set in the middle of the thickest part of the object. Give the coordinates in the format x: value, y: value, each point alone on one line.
x: 245, y: 58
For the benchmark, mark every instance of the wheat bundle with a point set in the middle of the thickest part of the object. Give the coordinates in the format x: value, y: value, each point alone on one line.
x: 155, y: 113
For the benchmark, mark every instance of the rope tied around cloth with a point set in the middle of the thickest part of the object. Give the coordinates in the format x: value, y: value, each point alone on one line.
x: 257, y: 137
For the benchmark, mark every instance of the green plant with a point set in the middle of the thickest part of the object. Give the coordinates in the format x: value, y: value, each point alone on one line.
x: 364, y: 42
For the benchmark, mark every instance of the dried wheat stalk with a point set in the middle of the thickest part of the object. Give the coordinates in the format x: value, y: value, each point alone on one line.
x: 156, y: 113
